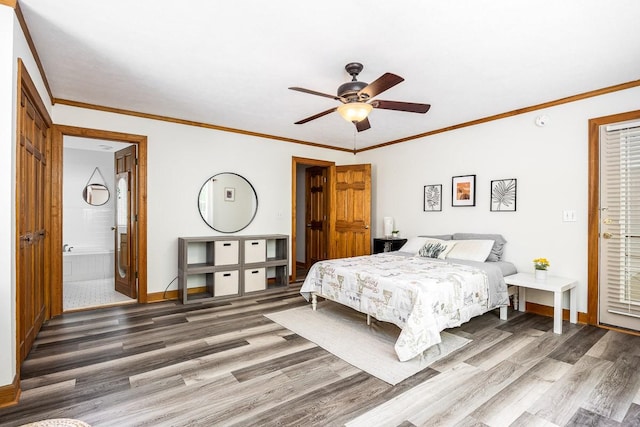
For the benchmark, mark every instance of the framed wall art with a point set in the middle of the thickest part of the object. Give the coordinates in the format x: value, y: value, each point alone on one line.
x: 463, y: 190
x: 433, y: 198
x: 229, y: 194
x: 503, y: 195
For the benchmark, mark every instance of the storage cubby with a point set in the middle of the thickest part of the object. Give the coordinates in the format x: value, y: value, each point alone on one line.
x: 231, y: 266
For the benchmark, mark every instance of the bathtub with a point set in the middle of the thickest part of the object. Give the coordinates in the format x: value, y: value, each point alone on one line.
x: 87, y: 263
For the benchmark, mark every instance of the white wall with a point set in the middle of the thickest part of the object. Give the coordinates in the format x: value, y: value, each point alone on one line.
x: 181, y: 158
x: 7, y: 197
x: 550, y: 164
x: 84, y: 224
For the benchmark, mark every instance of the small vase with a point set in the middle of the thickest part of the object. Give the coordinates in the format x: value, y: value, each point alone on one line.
x: 541, y: 274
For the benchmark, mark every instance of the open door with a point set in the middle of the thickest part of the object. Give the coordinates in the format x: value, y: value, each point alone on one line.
x: 316, y: 229
x: 125, y: 231
x: 350, y: 218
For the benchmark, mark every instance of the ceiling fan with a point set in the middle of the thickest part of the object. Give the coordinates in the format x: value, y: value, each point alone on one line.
x: 357, y: 98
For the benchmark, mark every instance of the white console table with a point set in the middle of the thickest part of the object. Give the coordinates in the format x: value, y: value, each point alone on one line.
x: 557, y: 285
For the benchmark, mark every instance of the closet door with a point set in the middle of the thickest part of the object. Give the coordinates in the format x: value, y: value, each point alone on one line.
x: 31, y: 280
x: 350, y: 211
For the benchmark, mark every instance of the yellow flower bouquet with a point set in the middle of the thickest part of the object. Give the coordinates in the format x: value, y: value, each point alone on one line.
x: 541, y: 263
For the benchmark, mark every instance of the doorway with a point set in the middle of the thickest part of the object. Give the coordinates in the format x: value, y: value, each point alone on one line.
x: 339, y: 198
x: 614, y: 272
x: 91, y: 200
x: 138, y: 270
x: 310, y: 195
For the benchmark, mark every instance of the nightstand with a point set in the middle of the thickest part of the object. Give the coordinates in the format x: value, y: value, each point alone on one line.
x: 383, y: 244
x: 557, y: 285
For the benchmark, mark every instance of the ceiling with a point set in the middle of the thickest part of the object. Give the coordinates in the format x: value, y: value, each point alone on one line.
x: 230, y: 63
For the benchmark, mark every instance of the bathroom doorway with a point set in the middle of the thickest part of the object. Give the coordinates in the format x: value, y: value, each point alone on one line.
x: 96, y: 213
x: 84, y: 167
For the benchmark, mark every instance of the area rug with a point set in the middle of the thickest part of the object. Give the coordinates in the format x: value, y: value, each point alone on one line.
x: 58, y: 422
x: 345, y: 333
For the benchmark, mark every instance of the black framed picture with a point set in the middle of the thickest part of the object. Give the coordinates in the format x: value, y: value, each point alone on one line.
x: 503, y: 195
x: 463, y: 192
x: 433, y: 198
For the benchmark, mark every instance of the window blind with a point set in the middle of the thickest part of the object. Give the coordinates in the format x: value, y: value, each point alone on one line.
x: 620, y: 220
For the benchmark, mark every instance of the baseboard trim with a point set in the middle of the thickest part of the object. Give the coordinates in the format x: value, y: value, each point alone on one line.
x: 545, y: 310
x: 169, y: 295
x: 162, y: 296
x: 10, y: 393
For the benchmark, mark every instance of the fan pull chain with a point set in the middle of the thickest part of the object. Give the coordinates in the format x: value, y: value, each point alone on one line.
x: 354, y: 141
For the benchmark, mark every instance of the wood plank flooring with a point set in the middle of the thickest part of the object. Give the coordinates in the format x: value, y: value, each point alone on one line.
x: 224, y: 363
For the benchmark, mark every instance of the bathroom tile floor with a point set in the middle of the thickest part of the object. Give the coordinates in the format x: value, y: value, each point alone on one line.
x: 91, y: 293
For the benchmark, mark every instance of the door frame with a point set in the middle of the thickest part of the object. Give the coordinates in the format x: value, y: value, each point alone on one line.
x: 58, y: 134
x: 593, y: 223
x: 295, y: 161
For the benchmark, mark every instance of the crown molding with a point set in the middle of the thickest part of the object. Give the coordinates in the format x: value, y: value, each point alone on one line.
x: 573, y: 98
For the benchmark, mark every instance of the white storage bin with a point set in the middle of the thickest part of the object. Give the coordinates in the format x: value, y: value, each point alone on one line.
x: 226, y: 252
x: 255, y: 279
x: 255, y: 251
x: 226, y: 283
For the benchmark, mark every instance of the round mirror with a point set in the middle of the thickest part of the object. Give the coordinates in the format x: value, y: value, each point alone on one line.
x: 95, y: 194
x: 227, y: 202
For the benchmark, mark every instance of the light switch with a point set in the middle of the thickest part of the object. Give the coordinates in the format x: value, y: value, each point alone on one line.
x: 569, y: 216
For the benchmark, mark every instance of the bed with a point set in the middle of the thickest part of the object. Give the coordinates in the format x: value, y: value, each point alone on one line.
x: 423, y: 288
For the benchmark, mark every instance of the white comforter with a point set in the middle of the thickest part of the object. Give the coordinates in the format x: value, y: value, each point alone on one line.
x: 422, y: 296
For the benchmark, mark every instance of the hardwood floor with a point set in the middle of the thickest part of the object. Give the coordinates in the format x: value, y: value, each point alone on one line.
x: 226, y: 364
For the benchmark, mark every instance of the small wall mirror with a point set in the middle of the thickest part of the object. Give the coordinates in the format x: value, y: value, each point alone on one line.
x: 227, y: 202
x: 96, y: 194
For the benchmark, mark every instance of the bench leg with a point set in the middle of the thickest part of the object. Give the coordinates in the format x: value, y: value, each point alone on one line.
x: 573, y: 309
x: 557, y: 312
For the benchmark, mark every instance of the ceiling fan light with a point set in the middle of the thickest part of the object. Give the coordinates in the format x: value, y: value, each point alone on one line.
x: 354, y: 112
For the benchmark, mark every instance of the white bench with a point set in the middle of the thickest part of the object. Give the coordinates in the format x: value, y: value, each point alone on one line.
x: 557, y: 285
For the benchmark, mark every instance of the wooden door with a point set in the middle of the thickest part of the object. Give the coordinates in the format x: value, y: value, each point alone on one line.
x: 316, y: 230
x: 125, y: 229
x: 31, y: 279
x: 350, y: 232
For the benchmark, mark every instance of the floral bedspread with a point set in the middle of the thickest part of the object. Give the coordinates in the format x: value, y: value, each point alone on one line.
x: 421, y: 296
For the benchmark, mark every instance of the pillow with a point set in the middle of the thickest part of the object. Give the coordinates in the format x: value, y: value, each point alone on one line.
x: 413, y: 245
x: 498, y: 243
x: 471, y: 250
x: 436, y: 248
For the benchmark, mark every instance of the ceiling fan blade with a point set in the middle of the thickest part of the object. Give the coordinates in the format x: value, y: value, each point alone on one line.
x: 410, y: 107
x: 308, y: 119
x: 363, y: 124
x: 384, y: 82
x: 313, y: 92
